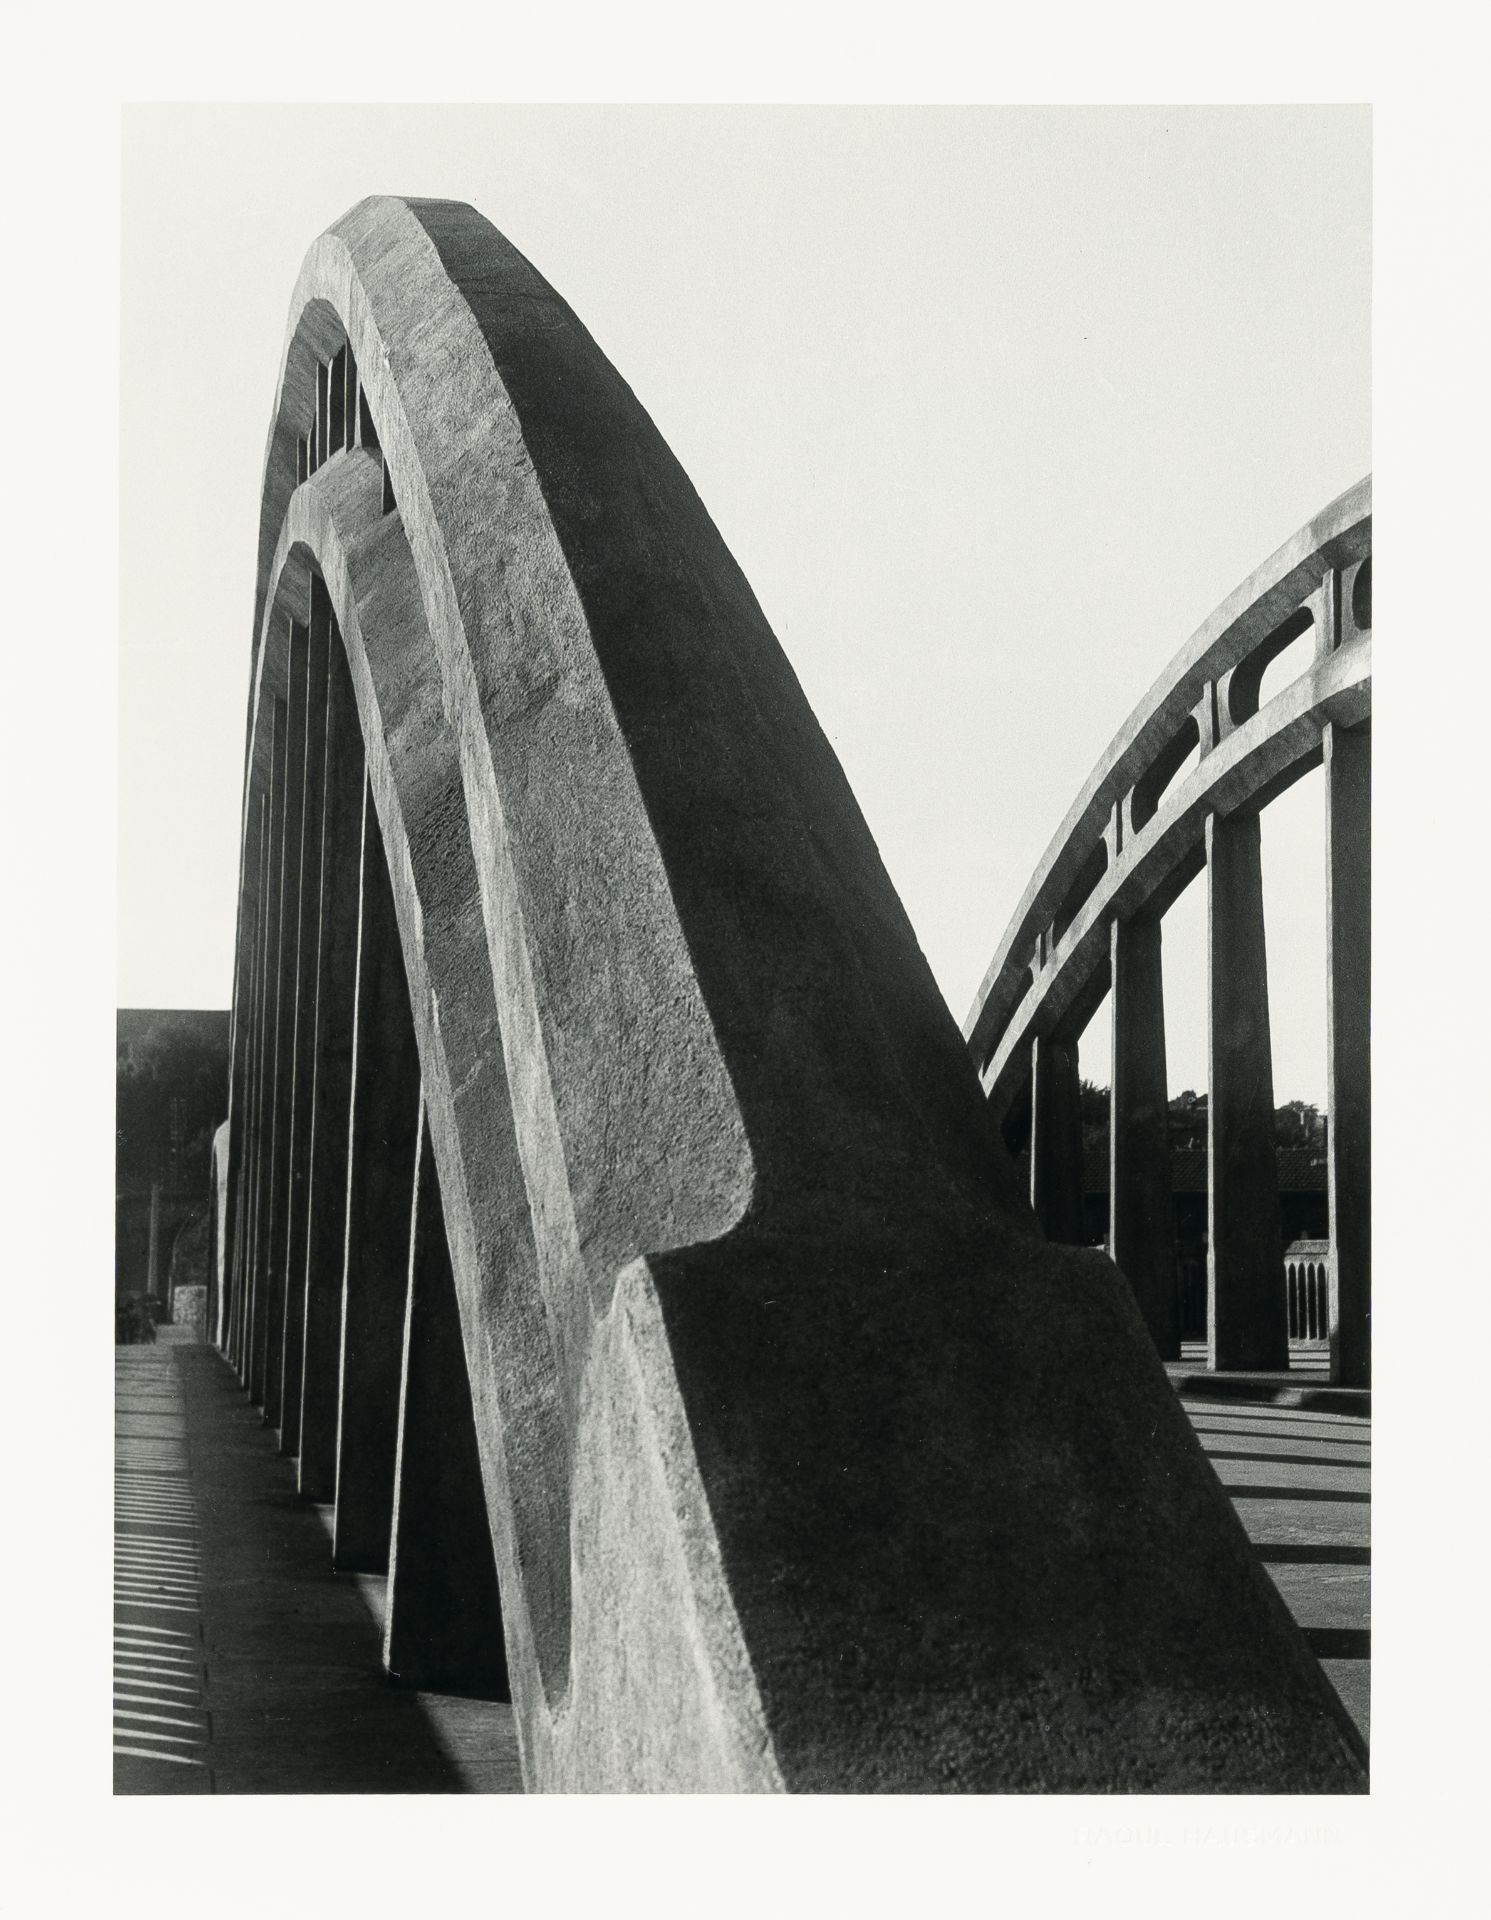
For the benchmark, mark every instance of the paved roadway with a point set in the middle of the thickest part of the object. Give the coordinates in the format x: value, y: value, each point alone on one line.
x: 266, y: 1677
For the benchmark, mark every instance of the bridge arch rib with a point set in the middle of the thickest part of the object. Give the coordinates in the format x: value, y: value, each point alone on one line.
x: 758, y: 1334
x: 1143, y: 826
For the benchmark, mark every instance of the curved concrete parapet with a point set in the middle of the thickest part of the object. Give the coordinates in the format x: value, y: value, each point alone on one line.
x: 1135, y: 835
x: 808, y: 1463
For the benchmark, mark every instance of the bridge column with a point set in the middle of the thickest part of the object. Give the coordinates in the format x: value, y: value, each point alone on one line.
x: 443, y: 1621
x: 304, y: 930
x: 339, y: 869
x: 237, y: 1082
x: 247, y: 1144
x: 380, y: 1196
x: 1056, y: 1139
x: 284, y: 1025
x: 1247, y: 1323
x: 246, y: 1133
x: 264, y: 1072
x: 1348, y: 894
x: 1141, y: 1224
x: 269, y: 1028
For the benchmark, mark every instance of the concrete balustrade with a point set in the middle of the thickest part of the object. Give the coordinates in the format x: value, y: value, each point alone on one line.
x: 701, y: 1375
x: 1307, y: 1275
x: 1144, y: 826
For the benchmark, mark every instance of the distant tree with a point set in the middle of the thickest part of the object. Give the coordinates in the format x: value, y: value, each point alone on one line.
x: 1298, y: 1124
x: 1189, y: 1113
x: 171, y: 1087
x: 1094, y: 1120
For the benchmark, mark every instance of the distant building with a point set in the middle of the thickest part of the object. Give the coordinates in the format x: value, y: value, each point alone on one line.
x: 171, y: 1092
x: 1303, y: 1211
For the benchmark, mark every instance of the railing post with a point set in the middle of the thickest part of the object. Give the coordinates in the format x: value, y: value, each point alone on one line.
x: 1056, y: 1139
x: 1141, y: 1224
x: 380, y: 1199
x: 339, y: 868
x: 304, y: 930
x: 443, y: 1616
x: 1246, y: 1309
x: 1348, y: 894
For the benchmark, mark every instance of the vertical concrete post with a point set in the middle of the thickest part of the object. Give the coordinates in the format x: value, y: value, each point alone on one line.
x: 340, y: 868
x: 245, y: 1141
x: 336, y: 401
x: 1056, y: 1139
x: 269, y: 1060
x: 263, y: 1067
x: 284, y: 1044
x: 243, y: 1131
x: 303, y: 1042
x: 380, y: 1202
x: 1348, y: 1047
x: 1247, y: 1323
x: 323, y: 411
x: 152, y: 1254
x: 443, y: 1619
x: 237, y: 1086
x: 1141, y: 1221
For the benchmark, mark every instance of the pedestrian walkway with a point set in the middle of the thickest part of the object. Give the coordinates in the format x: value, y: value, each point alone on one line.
x: 1300, y: 1479
x: 242, y: 1662
x: 160, y: 1719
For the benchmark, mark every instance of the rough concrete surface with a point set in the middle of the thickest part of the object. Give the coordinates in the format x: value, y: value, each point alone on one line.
x: 808, y: 1462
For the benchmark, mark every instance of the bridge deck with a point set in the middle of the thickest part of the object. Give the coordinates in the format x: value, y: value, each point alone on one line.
x: 1297, y: 1463
x: 243, y: 1664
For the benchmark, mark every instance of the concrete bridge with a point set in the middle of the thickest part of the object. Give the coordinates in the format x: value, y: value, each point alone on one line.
x: 615, y: 1232
x: 1182, y: 787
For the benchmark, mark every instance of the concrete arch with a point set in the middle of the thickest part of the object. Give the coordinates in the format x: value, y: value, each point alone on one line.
x: 1132, y: 839
x: 1145, y: 823
x: 761, y: 1337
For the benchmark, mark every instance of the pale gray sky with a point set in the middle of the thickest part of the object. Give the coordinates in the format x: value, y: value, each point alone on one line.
x: 992, y: 406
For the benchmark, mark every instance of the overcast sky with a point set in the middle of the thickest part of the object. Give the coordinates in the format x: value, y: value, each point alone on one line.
x: 992, y: 407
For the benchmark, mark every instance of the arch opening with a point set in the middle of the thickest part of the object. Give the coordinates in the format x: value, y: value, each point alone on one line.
x: 1361, y: 596
x: 1084, y: 886
x: 1175, y: 762
x: 1244, y: 684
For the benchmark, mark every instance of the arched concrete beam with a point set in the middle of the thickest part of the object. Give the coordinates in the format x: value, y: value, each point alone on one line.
x: 1336, y: 542
x: 1249, y: 766
x: 868, y: 1486
x: 530, y: 1430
